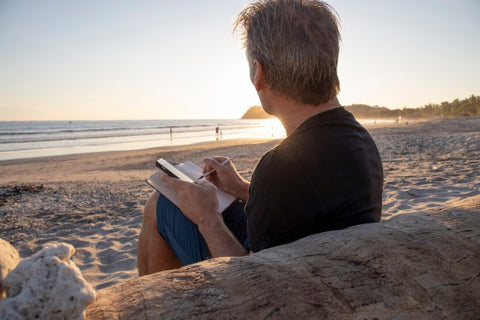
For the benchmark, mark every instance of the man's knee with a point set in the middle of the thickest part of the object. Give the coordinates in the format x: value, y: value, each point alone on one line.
x: 150, y: 209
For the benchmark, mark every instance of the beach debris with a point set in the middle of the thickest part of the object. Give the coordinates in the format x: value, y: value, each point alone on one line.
x: 47, y: 285
x: 17, y: 191
x: 412, y: 194
x: 9, y: 258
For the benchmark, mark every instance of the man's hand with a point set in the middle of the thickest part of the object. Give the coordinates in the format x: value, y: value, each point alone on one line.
x: 198, y: 202
x: 226, y: 177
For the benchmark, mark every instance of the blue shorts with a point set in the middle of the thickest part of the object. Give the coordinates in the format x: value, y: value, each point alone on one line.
x: 183, y: 236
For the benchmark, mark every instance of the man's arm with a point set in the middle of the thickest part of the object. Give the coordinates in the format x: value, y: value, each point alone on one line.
x: 221, y: 242
x: 198, y: 202
x: 226, y: 177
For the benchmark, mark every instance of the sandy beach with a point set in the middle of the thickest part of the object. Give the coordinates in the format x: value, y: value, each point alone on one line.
x: 94, y: 201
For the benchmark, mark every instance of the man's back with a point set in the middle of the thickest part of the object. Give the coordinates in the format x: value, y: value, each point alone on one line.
x: 326, y: 175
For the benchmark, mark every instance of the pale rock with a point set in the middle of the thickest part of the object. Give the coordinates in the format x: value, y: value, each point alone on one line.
x: 9, y: 258
x: 47, y: 285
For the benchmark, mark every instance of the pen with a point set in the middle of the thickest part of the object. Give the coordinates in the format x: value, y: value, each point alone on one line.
x: 212, y: 171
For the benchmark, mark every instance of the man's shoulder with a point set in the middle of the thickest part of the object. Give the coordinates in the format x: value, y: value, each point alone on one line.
x: 284, y: 163
x: 338, y: 118
x: 273, y: 163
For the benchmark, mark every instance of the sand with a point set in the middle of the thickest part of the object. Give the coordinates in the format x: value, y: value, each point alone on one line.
x: 95, y: 201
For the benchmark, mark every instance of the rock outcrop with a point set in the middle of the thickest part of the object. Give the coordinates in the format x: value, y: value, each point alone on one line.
x: 47, y: 285
x: 256, y: 112
x: 9, y: 258
x: 411, y: 266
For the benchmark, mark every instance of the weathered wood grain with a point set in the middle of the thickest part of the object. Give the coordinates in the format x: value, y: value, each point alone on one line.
x: 424, y: 265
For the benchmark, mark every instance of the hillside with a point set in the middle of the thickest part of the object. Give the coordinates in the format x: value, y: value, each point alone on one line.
x: 256, y: 112
x: 457, y: 108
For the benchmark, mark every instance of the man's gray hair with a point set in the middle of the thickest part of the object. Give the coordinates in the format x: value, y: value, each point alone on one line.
x: 297, y: 44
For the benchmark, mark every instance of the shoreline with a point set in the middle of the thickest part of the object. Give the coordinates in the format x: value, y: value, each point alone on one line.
x: 43, y: 145
x: 205, y: 144
x: 94, y: 201
x: 17, y: 170
x: 45, y: 139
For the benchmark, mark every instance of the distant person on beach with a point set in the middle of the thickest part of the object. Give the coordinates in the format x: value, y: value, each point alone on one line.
x: 325, y: 175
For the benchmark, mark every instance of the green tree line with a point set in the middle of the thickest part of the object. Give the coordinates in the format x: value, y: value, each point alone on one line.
x: 457, y: 108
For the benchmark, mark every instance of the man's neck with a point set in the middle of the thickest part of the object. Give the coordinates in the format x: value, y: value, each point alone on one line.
x: 292, y: 113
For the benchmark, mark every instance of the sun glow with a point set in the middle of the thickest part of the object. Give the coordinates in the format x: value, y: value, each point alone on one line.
x: 170, y: 60
x: 278, y: 131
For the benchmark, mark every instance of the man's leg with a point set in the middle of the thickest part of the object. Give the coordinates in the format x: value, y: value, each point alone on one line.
x: 169, y: 240
x: 153, y: 253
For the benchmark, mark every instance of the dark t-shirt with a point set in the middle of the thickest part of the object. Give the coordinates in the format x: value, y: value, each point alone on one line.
x: 326, y: 175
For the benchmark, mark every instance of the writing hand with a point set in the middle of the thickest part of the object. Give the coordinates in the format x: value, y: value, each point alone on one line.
x: 226, y: 177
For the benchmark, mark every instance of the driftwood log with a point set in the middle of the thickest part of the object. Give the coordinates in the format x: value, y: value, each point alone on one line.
x: 412, y: 266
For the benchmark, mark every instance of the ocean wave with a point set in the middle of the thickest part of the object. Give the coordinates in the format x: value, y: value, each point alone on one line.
x: 61, y: 134
x: 27, y: 140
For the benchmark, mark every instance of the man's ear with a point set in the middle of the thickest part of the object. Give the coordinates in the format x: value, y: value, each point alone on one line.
x: 258, y: 76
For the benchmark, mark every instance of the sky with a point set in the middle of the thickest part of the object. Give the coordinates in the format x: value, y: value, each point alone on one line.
x: 145, y: 59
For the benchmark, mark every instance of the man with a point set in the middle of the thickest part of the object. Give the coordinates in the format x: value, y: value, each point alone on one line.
x: 325, y: 175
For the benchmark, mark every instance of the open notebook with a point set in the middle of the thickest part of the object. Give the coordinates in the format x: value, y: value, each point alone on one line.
x: 192, y: 171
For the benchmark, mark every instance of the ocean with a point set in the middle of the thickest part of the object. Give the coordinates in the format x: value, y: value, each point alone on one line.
x: 31, y: 139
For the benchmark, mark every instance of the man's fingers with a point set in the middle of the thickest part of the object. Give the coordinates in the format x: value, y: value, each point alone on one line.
x: 219, y: 159
x: 206, y: 184
x: 173, y: 183
x: 212, y: 163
